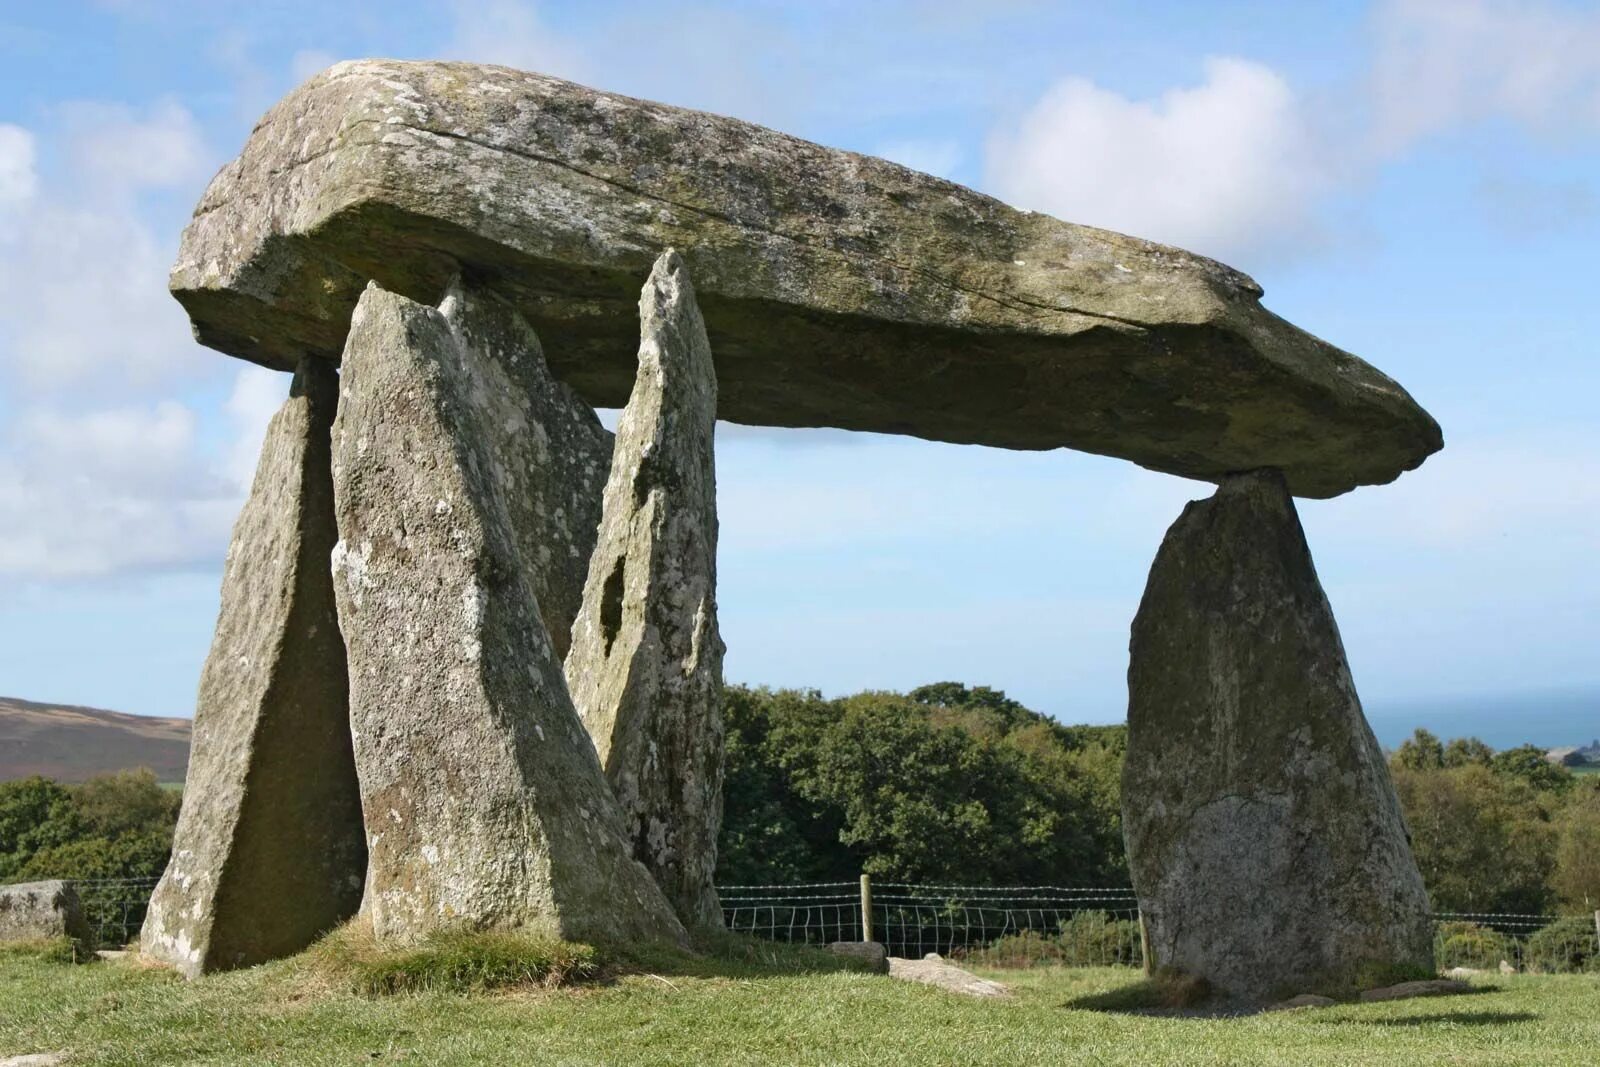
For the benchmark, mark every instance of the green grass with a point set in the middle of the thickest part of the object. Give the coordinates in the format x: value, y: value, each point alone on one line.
x: 743, y: 1003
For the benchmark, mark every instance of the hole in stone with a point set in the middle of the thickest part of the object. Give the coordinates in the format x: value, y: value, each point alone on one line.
x: 611, y: 603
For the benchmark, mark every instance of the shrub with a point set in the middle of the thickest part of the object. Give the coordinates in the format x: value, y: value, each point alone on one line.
x: 1566, y: 946
x: 1464, y: 944
x: 451, y: 962
x: 1095, y: 939
x: 1086, y: 939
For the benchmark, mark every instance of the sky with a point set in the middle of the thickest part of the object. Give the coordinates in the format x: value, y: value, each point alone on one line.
x: 1416, y: 181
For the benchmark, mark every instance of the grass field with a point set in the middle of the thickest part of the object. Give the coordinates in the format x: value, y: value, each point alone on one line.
x: 788, y: 1008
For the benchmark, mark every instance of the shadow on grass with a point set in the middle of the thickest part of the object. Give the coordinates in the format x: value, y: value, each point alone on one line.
x: 1171, y: 996
x: 1469, y: 1018
x: 724, y: 955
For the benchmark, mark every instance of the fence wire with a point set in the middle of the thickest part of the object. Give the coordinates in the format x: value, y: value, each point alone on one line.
x: 993, y: 925
x: 114, y: 907
x: 997, y: 926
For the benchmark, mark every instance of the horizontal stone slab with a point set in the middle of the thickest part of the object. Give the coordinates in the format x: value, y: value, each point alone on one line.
x: 838, y: 289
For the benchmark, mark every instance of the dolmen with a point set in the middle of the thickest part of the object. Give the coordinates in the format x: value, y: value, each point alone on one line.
x: 467, y: 672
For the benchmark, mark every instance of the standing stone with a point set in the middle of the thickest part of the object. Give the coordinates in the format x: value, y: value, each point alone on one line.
x: 269, y: 849
x: 484, y: 803
x: 1263, y: 832
x: 552, y: 453
x: 645, y: 668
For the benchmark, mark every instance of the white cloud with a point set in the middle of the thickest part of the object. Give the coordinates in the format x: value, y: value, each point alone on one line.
x: 103, y: 471
x: 257, y: 394
x: 939, y: 157
x: 309, y: 61
x: 84, y: 273
x: 124, y: 150
x: 104, y: 492
x: 512, y: 34
x: 18, y: 179
x: 90, y: 494
x: 1481, y: 495
x: 1441, y: 64
x: 1228, y: 168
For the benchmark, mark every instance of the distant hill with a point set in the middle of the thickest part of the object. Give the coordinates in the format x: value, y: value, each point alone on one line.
x: 71, y: 744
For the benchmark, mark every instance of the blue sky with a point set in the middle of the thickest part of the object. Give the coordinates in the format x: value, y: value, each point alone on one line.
x: 1418, y: 182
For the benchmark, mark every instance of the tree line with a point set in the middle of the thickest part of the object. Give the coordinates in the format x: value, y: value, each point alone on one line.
x: 948, y: 784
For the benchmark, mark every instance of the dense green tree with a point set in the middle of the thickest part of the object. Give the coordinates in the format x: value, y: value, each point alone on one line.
x: 1482, y: 839
x: 1466, y: 751
x: 35, y: 814
x: 947, y: 783
x: 113, y: 826
x: 1527, y: 762
x: 1422, y: 751
x: 1577, y: 874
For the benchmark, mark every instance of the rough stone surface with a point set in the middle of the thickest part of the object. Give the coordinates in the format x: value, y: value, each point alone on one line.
x: 838, y: 289
x: 484, y: 803
x: 42, y: 911
x: 645, y: 670
x: 1428, y: 987
x: 552, y: 453
x: 873, y: 954
x: 933, y: 970
x: 269, y: 852
x: 1263, y: 833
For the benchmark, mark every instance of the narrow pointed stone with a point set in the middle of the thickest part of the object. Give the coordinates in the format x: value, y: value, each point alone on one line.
x: 485, y: 805
x: 645, y: 667
x: 269, y: 850
x: 1264, y: 837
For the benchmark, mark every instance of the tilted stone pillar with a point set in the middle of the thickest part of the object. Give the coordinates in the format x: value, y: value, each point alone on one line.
x: 645, y: 667
x: 1264, y: 836
x: 484, y: 803
x: 269, y: 850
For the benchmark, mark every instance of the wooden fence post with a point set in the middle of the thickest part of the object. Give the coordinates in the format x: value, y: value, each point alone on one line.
x: 1597, y: 929
x: 866, y: 908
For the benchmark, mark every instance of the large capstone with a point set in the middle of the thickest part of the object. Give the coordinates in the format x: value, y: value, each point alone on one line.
x: 645, y: 668
x: 485, y: 805
x: 269, y: 850
x: 838, y: 289
x: 1263, y: 833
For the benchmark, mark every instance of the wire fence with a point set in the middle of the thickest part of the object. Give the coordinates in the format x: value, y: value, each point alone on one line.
x: 114, y: 907
x: 996, y: 926
x: 992, y: 925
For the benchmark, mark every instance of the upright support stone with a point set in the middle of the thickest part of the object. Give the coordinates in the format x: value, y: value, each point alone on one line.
x: 484, y: 803
x: 645, y: 669
x: 269, y: 850
x: 553, y: 454
x: 1263, y: 833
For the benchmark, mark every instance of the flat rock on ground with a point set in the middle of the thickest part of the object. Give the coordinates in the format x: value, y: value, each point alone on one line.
x: 872, y: 953
x: 1263, y: 833
x: 269, y: 850
x: 838, y: 289
x: 41, y: 911
x: 934, y: 970
x: 485, y: 805
x: 645, y: 669
x: 1428, y: 987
